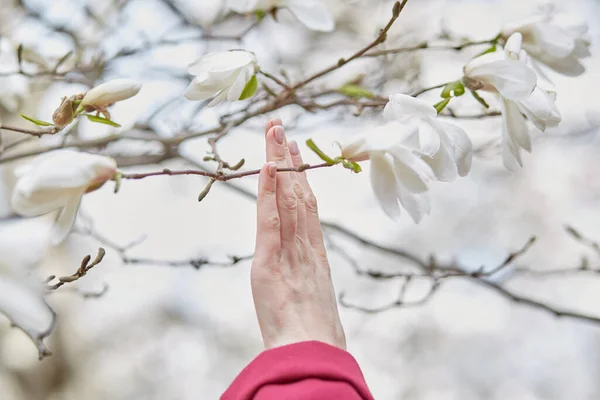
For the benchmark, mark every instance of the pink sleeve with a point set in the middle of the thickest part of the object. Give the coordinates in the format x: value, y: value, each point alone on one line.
x: 301, y: 371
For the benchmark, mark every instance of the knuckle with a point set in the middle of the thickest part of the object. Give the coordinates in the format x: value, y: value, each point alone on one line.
x: 273, y: 222
x: 270, y: 190
x: 289, y: 201
x: 311, y: 203
x: 299, y: 192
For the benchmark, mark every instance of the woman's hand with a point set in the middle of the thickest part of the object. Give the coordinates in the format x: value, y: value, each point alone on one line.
x: 291, y: 281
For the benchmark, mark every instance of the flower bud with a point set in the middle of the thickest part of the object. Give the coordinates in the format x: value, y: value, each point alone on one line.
x: 111, y: 92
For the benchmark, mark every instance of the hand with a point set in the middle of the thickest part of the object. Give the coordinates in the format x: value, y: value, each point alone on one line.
x: 291, y: 280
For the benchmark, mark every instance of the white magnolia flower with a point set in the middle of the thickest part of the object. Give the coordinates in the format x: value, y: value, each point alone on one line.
x: 312, y: 13
x: 402, y: 166
x: 508, y: 74
x: 445, y: 147
x: 111, y: 92
x: 559, y: 40
x: 224, y: 75
x: 58, y: 180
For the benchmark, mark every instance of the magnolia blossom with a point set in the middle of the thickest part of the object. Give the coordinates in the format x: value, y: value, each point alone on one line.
x: 224, y: 75
x: 58, y: 180
x: 312, y: 13
x: 508, y: 74
x: 402, y: 166
x: 111, y: 92
x: 557, y: 39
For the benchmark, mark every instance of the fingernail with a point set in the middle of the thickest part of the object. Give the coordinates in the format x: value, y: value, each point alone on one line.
x: 294, y: 150
x: 272, y: 169
x: 279, y: 134
x: 277, y: 122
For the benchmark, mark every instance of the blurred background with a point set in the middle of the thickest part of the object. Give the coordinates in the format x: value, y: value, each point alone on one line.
x: 147, y: 323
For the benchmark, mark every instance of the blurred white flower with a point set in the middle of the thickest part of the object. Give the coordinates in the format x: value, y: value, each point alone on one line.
x: 58, y: 180
x: 15, y: 88
x: 559, y: 40
x: 403, y: 165
x: 312, y: 13
x: 22, y: 301
x: 507, y: 73
x: 111, y: 92
x: 224, y: 75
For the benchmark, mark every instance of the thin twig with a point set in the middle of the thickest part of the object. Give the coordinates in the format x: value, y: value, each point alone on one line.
x: 429, y: 46
x: 217, y: 176
x: 50, y: 131
x: 398, y: 7
x: 83, y: 269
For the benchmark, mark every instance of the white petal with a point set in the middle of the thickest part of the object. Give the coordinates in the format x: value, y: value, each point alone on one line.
x: 517, y: 127
x: 221, y: 97
x: 112, y: 91
x: 513, y: 44
x: 570, y: 66
x: 417, y: 205
x: 484, y: 60
x: 572, y: 24
x: 70, y: 169
x: 510, y: 161
x: 513, y: 79
x: 554, y: 41
x: 54, y: 176
x: 29, y: 202
x: 23, y: 303
x: 197, y: 91
x: 429, y: 139
x: 411, y: 170
x: 313, y: 14
x: 238, y: 86
x: 401, y: 105
x: 440, y: 161
x: 461, y: 145
x: 384, y: 185
x: 541, y: 109
x: 222, y: 62
x: 66, y: 219
x: 511, y: 154
x: 582, y: 48
x: 242, y: 6
x: 379, y: 138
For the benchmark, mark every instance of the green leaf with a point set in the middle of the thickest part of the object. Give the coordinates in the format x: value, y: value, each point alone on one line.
x: 487, y: 51
x: 320, y: 153
x: 351, y: 165
x: 36, y: 121
x: 101, y: 120
x: 354, y: 90
x: 250, y: 88
x: 453, y: 89
x: 260, y: 14
x: 441, y: 105
x: 480, y: 99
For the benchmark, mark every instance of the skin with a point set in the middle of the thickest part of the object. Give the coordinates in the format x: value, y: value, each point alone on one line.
x: 291, y: 281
